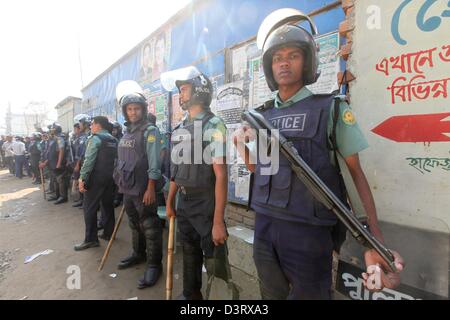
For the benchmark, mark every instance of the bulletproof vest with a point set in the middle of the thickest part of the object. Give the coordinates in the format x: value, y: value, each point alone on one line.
x: 75, y: 146
x: 44, y: 149
x: 283, y: 195
x: 165, y: 165
x: 191, y: 175
x: 106, y: 159
x: 82, y: 145
x: 67, y: 150
x: 53, y: 153
x: 131, y: 171
x: 34, y: 151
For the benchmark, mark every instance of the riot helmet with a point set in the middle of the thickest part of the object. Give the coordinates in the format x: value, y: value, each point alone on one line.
x: 280, y: 30
x: 201, y: 92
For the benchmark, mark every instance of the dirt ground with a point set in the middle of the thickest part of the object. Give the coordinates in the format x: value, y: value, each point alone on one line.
x: 29, y: 224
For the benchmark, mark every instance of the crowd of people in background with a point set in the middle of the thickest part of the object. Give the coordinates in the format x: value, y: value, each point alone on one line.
x: 19, y: 155
x: 59, y: 156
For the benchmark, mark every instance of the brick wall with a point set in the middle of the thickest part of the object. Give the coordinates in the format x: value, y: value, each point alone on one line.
x: 237, y: 215
x: 346, y: 28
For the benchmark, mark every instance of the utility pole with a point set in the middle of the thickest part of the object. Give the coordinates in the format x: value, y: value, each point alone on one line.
x: 79, y: 61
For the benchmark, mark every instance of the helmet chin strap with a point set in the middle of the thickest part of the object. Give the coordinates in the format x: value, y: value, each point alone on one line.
x: 186, y: 105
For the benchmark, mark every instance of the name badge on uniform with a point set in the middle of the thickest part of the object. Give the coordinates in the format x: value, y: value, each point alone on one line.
x: 291, y: 122
x: 125, y: 143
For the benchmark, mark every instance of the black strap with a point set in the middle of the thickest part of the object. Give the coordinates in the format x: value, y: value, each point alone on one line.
x: 250, y: 192
x: 269, y: 104
x: 333, y: 137
x: 339, y: 231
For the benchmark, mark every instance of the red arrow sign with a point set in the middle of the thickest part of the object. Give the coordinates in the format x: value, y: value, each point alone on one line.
x: 415, y: 128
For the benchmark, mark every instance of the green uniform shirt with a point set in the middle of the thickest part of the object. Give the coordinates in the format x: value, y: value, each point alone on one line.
x: 153, y: 149
x: 92, y: 145
x: 164, y: 141
x: 215, y: 133
x: 349, y: 137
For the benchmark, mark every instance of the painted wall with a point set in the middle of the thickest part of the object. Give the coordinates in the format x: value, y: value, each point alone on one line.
x: 205, y: 31
x: 209, y: 35
x: 401, y: 60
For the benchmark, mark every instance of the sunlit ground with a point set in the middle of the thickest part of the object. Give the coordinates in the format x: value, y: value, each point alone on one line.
x: 17, y: 195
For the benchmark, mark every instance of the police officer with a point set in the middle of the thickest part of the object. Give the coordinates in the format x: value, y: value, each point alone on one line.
x: 163, y: 151
x: 138, y: 154
x: 27, y: 162
x: 293, y: 241
x: 117, y: 130
x: 75, y: 144
x: 35, y: 155
x: 84, y: 122
x: 118, y: 134
x: 56, y: 162
x: 44, y: 156
x: 96, y: 182
x: 201, y: 181
x: 2, y: 152
x: 9, y: 154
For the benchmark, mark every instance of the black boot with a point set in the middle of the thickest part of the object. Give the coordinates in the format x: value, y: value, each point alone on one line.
x: 105, y: 237
x: 192, y: 270
x: 86, y: 245
x: 150, y: 278
x: 194, y: 296
x: 130, y: 261
x: 77, y: 204
x: 60, y: 200
x: 138, y: 256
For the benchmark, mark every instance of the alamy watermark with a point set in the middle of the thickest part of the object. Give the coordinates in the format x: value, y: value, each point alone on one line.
x: 200, y: 147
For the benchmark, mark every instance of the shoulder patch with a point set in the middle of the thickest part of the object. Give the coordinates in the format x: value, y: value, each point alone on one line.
x: 215, y: 120
x: 151, y: 138
x: 348, y: 117
x: 218, y: 136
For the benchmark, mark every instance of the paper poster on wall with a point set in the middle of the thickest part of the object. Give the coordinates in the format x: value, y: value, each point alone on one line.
x: 161, y: 107
x: 240, y: 180
x: 329, y: 64
x: 259, y: 90
x: 229, y: 106
x: 149, y: 96
x: 154, y: 57
x: 157, y: 105
x: 240, y: 58
x: 216, y: 82
x: 229, y: 103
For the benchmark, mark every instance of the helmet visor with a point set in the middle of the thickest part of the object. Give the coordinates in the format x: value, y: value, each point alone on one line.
x: 278, y: 18
x: 128, y: 87
x: 80, y: 117
x: 169, y: 79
